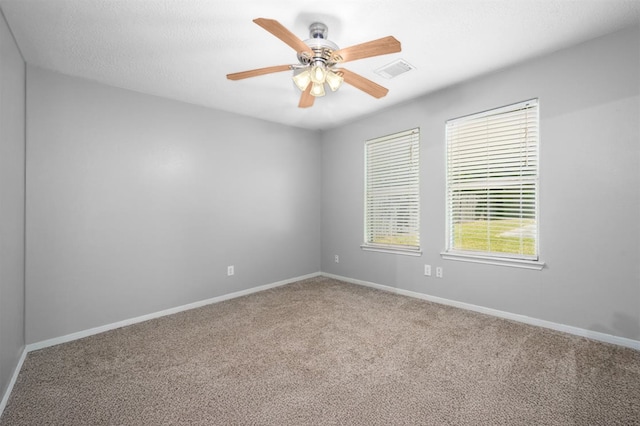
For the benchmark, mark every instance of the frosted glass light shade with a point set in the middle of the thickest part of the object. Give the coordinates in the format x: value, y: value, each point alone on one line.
x: 302, y: 80
x: 318, y: 74
x: 317, y: 89
x: 333, y: 80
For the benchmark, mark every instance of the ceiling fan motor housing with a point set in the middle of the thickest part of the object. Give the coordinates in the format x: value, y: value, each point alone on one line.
x: 318, y: 43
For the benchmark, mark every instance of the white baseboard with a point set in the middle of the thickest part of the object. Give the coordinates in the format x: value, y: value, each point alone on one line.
x: 595, y: 335
x: 86, y: 333
x: 14, y: 377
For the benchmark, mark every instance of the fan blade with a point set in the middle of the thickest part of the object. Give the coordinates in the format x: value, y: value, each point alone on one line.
x: 382, y: 46
x: 278, y: 30
x: 306, y: 99
x: 364, y: 84
x: 257, y: 72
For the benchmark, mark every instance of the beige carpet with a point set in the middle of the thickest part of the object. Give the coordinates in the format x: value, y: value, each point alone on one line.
x: 322, y: 352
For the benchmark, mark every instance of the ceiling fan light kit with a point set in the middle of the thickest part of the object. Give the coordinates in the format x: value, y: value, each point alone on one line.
x: 318, y: 76
x: 317, y: 59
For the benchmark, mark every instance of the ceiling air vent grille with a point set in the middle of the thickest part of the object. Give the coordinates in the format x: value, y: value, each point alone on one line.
x: 394, y: 69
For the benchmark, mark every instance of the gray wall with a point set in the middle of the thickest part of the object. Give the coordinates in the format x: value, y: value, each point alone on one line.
x: 136, y: 204
x: 589, y: 191
x: 12, y: 148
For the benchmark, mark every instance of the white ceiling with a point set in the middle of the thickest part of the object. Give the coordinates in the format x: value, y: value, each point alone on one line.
x: 183, y: 49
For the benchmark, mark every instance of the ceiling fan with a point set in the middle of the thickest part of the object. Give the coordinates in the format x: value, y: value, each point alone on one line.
x: 317, y: 61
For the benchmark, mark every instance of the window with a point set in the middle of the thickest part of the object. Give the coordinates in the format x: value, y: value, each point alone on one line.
x: 492, y: 185
x: 392, y: 195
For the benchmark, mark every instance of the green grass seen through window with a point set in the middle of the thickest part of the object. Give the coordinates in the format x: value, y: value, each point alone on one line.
x: 509, y: 236
x: 397, y: 240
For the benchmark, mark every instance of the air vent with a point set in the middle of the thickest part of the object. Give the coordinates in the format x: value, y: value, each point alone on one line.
x: 394, y: 69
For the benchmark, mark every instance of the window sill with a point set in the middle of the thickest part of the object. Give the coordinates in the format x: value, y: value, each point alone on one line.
x: 392, y: 250
x: 497, y: 261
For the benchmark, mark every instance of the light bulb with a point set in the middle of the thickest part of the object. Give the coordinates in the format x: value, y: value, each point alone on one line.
x: 333, y: 80
x: 302, y: 80
x: 317, y: 89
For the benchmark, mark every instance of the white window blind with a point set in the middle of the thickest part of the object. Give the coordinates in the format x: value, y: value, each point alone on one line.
x: 392, y: 199
x: 492, y: 182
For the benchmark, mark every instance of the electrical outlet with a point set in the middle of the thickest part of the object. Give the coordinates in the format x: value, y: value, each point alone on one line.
x: 427, y: 270
x: 439, y: 272
x: 336, y: 258
x: 230, y: 270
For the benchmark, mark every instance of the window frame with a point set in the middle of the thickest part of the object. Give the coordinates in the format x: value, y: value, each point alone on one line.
x: 411, y: 137
x: 487, y: 257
